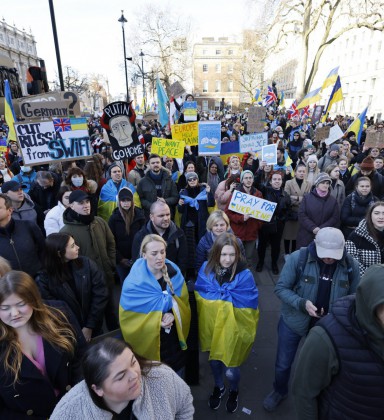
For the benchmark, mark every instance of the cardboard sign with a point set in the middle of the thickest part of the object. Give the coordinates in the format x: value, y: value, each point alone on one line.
x: 188, y: 133
x: 190, y: 111
x: 47, y: 141
x: 374, y: 139
x: 322, y: 133
x: 118, y: 119
x: 166, y: 147
x: 335, y: 133
x: 41, y: 110
x: 256, y: 119
x: 256, y: 207
x: 209, y: 138
x: 317, y: 112
x: 253, y: 142
x: 269, y: 154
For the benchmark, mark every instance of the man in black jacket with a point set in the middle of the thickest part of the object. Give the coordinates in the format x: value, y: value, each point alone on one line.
x: 160, y: 224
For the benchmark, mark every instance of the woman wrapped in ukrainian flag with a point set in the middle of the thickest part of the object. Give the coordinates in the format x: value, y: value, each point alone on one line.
x: 154, y: 309
x: 227, y: 307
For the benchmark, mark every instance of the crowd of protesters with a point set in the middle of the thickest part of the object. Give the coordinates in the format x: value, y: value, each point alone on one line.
x: 151, y: 250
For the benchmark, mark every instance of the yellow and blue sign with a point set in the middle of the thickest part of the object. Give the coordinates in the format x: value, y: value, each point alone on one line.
x: 209, y: 138
x: 256, y: 207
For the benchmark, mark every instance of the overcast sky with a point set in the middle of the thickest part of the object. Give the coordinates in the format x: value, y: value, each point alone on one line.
x: 90, y: 36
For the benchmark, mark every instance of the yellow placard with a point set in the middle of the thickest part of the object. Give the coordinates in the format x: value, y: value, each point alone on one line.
x: 167, y: 147
x: 188, y: 133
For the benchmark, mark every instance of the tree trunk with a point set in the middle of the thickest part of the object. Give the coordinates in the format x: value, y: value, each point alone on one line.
x: 302, y: 65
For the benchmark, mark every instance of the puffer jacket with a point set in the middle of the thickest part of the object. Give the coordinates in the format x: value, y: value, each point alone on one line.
x: 361, y: 246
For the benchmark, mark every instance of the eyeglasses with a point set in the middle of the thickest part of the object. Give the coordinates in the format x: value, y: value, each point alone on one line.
x: 192, y: 179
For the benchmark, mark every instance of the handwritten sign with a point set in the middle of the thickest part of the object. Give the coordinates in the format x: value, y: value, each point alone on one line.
x: 335, y: 133
x: 374, y: 139
x: 188, y: 133
x: 269, y: 154
x: 166, y: 147
x: 190, y: 111
x: 256, y: 207
x: 209, y: 138
x: 322, y: 133
x: 253, y: 142
x: 44, y: 141
x: 39, y: 110
x: 256, y: 119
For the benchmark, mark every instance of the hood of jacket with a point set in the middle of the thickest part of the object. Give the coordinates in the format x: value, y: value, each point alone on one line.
x: 27, y: 205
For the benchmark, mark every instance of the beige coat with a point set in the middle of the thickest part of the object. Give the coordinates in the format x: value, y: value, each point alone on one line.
x: 296, y: 194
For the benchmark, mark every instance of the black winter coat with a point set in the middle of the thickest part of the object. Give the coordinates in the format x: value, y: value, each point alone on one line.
x: 45, y: 198
x: 283, y: 203
x: 124, y: 241
x: 90, y: 298
x: 377, y: 182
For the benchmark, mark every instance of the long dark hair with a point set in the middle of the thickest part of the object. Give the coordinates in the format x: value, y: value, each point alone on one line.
x: 368, y: 218
x: 215, y: 253
x: 55, y: 264
x: 97, y: 360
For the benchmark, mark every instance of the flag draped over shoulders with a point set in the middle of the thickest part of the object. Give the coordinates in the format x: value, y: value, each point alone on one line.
x: 228, y: 316
x: 142, y: 305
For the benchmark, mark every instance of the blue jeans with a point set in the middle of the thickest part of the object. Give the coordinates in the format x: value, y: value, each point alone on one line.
x: 288, y: 342
x: 232, y: 374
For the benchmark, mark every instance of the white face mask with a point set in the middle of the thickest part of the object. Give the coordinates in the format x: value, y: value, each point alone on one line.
x: 26, y: 168
x: 77, y: 181
x: 281, y: 135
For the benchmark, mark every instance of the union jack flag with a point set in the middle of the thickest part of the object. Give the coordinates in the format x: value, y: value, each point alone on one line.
x: 62, y: 124
x: 305, y: 112
x: 293, y: 112
x: 270, y: 97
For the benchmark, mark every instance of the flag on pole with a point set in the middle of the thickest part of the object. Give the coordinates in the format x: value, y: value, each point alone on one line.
x: 358, y: 124
x: 172, y: 111
x: 310, y: 98
x: 257, y: 95
x: 293, y: 111
x: 331, y: 78
x: 336, y: 96
x: 9, y: 112
x: 162, y: 100
x: 270, y: 98
x: 282, y: 99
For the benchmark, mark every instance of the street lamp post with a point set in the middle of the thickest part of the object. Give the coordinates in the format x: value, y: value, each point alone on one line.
x: 143, y: 75
x: 56, y: 41
x: 122, y: 20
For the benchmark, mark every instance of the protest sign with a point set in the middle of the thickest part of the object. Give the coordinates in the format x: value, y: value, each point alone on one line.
x: 335, y: 133
x: 40, y: 110
x: 256, y: 207
x: 119, y: 120
x: 188, y: 133
x: 45, y: 141
x: 256, y: 119
x: 374, y: 139
x: 253, y: 142
x: 209, y: 138
x: 322, y: 133
x: 166, y: 147
x: 3, y: 146
x: 269, y: 154
x: 190, y: 111
x: 317, y: 112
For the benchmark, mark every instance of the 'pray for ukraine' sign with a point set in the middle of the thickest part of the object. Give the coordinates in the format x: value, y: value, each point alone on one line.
x: 254, y: 206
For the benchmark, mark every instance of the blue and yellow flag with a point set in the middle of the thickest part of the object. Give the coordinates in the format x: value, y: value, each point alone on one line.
x: 228, y: 316
x: 79, y: 124
x: 10, y: 116
x: 310, y: 98
x: 228, y: 149
x: 331, y: 78
x: 282, y: 99
x: 142, y: 305
x: 257, y: 97
x: 358, y: 125
x: 162, y: 100
x: 336, y: 96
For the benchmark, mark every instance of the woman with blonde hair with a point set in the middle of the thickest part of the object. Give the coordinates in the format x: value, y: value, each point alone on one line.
x: 154, y: 308
x: 4, y: 266
x: 37, y: 350
x: 312, y: 169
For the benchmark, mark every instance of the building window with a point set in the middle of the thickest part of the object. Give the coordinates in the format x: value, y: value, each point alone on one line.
x: 230, y: 52
x: 205, y: 68
x: 230, y: 68
x: 218, y: 86
x: 218, y: 52
x: 29, y: 48
x: 205, y: 52
x: 205, y: 86
x: 205, y: 105
x: 230, y: 85
x: 2, y: 37
x: 217, y: 105
x: 218, y: 68
x: 373, y: 82
x: 11, y: 41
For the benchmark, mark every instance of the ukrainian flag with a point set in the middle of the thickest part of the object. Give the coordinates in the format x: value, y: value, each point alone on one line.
x: 79, y: 124
x: 142, y: 305
x: 228, y: 316
x: 162, y: 100
x: 228, y: 149
x: 336, y: 96
x: 282, y: 99
x: 257, y: 97
x: 358, y: 125
x: 311, y: 98
x: 331, y: 78
x: 10, y: 116
x: 108, y: 198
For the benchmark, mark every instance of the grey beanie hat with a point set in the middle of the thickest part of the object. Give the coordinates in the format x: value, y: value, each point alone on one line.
x: 190, y: 175
x: 322, y: 177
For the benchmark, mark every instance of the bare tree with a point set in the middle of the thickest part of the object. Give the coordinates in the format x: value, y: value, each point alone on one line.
x: 73, y: 81
x: 319, y: 23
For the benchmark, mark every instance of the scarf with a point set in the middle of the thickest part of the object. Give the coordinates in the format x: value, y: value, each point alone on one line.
x: 194, y: 202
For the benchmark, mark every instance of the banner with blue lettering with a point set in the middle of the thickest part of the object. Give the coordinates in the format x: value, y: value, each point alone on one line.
x: 256, y: 207
x: 57, y: 140
x: 209, y: 138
